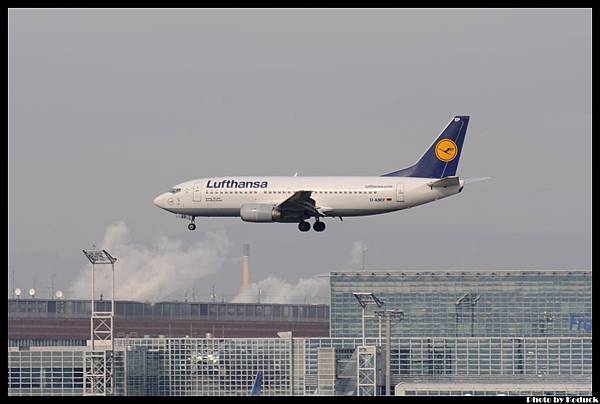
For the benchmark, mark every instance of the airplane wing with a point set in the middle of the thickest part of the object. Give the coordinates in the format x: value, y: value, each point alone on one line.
x: 300, y: 201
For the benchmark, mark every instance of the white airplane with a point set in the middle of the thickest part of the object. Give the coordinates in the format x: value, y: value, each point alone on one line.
x: 296, y: 199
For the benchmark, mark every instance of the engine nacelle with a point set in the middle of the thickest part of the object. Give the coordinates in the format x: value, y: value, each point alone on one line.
x: 259, y: 212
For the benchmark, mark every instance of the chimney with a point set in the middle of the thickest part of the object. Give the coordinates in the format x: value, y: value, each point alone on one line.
x: 246, y: 267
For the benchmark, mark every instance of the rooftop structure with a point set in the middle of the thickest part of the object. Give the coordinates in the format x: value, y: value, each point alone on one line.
x: 66, y: 322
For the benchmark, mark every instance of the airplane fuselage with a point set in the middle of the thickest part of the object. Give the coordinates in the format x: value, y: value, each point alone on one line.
x: 335, y: 196
x: 296, y: 199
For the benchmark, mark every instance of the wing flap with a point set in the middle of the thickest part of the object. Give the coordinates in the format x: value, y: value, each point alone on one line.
x: 300, y: 201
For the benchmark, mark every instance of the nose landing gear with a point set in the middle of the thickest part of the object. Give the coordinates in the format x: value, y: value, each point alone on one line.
x: 192, y: 225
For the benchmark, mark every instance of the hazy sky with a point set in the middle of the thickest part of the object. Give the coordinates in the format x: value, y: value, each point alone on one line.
x: 108, y: 108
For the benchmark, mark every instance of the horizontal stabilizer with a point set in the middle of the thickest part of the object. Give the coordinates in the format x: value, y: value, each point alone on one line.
x: 472, y: 180
x: 445, y: 182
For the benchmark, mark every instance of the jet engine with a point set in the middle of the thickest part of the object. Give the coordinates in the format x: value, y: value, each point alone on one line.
x: 259, y: 212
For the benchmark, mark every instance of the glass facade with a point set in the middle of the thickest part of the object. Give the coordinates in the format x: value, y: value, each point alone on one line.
x: 480, y: 360
x: 204, y: 366
x: 463, y: 333
x: 314, y: 366
x: 45, y: 373
x: 467, y: 303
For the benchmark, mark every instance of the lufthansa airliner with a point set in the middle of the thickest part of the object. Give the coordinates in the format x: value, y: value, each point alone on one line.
x: 297, y: 199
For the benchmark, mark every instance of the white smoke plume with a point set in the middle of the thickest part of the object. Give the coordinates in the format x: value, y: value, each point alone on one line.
x: 359, y: 249
x: 306, y: 290
x: 152, y: 273
x: 275, y: 290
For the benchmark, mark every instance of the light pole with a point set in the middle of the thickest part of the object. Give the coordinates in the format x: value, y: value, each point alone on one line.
x: 364, y: 254
x: 388, y: 315
x: 99, y: 369
x: 547, y: 318
x: 52, y: 276
x: 366, y: 356
x: 472, y: 299
x: 364, y: 299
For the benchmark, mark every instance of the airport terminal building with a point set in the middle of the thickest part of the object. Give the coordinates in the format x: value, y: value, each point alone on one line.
x: 49, y: 322
x: 462, y: 332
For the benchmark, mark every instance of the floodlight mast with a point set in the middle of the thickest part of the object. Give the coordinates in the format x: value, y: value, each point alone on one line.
x: 102, y: 257
x: 99, y: 365
x: 388, y: 315
x: 473, y: 298
x: 364, y: 299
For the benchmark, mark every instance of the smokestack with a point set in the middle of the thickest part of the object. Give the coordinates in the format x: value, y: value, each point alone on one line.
x: 246, y: 267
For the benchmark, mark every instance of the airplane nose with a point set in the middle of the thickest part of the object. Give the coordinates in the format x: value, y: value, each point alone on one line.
x: 159, y: 201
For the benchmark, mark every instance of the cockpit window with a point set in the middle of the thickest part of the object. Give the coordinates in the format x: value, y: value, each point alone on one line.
x: 174, y: 190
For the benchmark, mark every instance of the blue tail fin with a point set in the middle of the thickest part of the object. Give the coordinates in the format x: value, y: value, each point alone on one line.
x: 257, y: 385
x: 441, y: 159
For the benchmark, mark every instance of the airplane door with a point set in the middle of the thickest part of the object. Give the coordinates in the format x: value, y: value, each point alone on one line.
x: 399, y: 192
x: 197, y: 197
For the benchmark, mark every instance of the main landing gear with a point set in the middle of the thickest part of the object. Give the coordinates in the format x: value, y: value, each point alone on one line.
x: 318, y: 226
x: 304, y: 226
x: 192, y: 225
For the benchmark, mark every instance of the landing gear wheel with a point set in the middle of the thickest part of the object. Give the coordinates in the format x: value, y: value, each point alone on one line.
x: 191, y: 226
x: 319, y: 226
x: 304, y: 226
